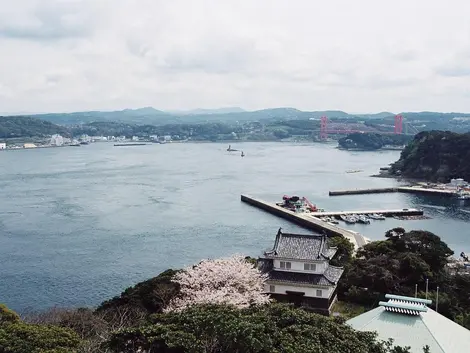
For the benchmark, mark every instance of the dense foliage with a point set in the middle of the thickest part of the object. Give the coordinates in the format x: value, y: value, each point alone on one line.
x: 225, y: 329
x: 371, y: 141
x: 22, y: 126
x: 19, y: 337
x: 150, y: 296
x: 436, y: 156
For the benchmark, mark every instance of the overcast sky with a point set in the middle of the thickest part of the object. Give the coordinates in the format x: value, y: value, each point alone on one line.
x: 357, y: 56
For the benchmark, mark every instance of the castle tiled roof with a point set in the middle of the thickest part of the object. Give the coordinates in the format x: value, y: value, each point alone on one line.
x: 327, y: 279
x: 301, y: 247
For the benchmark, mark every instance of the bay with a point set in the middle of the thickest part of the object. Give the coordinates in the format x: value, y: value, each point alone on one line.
x: 79, y: 225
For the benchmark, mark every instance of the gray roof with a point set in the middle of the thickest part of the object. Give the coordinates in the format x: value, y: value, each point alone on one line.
x: 302, y: 247
x: 411, y: 323
x: 308, y: 278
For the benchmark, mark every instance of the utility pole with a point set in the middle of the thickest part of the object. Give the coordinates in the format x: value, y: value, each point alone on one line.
x: 427, y: 285
x: 437, y: 299
x: 416, y: 290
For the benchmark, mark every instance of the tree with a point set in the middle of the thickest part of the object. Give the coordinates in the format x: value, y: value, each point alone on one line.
x: 226, y: 329
x: 151, y: 296
x: 8, y: 315
x: 19, y: 337
x: 345, y: 251
x: 231, y: 280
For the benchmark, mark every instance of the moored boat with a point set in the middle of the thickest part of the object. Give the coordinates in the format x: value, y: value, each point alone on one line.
x: 376, y: 216
x: 363, y: 219
x: 348, y: 219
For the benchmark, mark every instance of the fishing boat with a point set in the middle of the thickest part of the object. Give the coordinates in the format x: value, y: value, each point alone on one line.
x: 363, y: 219
x: 348, y: 219
x: 376, y: 216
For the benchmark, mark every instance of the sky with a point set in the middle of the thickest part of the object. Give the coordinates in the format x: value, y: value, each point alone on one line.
x: 356, y: 56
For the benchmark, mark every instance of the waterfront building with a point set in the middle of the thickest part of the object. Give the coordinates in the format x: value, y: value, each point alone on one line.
x: 29, y: 145
x: 409, y: 322
x: 135, y: 138
x: 56, y: 140
x: 299, y: 272
x: 3, y: 145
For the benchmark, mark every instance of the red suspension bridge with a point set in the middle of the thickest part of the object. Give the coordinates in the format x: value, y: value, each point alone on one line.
x: 327, y: 127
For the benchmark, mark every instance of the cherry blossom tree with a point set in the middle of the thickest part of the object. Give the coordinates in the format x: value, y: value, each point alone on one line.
x: 230, y: 280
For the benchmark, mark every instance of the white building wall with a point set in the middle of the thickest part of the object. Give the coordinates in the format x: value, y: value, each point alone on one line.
x: 309, y: 291
x: 3, y: 145
x: 298, y: 266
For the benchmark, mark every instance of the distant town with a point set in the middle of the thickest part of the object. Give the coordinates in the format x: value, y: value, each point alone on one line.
x: 62, y: 141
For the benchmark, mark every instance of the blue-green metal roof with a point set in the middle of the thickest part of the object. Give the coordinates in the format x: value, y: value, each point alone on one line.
x: 416, y: 330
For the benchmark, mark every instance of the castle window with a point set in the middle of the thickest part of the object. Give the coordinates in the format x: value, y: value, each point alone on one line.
x: 310, y: 267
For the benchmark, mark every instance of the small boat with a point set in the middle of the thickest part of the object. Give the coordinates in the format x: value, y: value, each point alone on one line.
x: 463, y: 195
x: 363, y: 219
x: 348, y: 219
x: 243, y: 155
x: 354, y: 171
x: 376, y: 216
x: 230, y: 149
x: 84, y: 143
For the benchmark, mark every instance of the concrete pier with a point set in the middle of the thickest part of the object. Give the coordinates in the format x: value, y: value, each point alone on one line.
x: 362, y: 191
x: 386, y: 213
x: 306, y: 220
x: 407, y: 189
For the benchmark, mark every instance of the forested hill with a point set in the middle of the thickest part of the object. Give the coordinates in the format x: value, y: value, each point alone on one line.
x: 22, y: 126
x: 372, y: 141
x: 436, y: 156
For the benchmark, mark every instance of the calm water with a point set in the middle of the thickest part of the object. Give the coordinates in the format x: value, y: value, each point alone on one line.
x: 79, y: 225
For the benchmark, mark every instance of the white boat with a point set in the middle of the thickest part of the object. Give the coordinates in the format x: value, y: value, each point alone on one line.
x: 462, y: 195
x: 348, y: 218
x: 363, y: 219
x: 376, y: 216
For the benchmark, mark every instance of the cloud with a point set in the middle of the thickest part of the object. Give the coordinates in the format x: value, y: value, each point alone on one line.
x: 66, y: 55
x: 51, y: 20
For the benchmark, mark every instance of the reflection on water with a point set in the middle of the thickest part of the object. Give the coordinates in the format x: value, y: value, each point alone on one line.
x: 78, y: 225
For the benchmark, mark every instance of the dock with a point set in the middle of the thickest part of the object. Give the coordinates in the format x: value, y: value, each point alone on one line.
x: 362, y: 191
x: 306, y: 220
x: 386, y: 213
x: 405, y: 189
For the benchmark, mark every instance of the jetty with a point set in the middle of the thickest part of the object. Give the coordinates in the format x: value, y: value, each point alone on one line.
x: 306, y: 220
x: 386, y: 213
x: 129, y: 144
x: 404, y: 189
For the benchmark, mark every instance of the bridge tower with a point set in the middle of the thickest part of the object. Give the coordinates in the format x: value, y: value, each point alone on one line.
x: 398, y: 124
x: 323, y: 128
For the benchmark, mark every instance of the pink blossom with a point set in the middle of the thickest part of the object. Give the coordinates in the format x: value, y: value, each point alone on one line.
x: 229, y: 280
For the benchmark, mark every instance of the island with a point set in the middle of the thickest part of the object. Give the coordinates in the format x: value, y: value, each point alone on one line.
x: 372, y: 141
x: 436, y: 156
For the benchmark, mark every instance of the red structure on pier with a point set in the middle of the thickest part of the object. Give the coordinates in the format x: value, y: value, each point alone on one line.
x: 398, y: 124
x: 323, y: 128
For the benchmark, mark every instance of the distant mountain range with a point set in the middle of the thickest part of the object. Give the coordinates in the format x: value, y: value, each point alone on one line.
x: 152, y: 116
